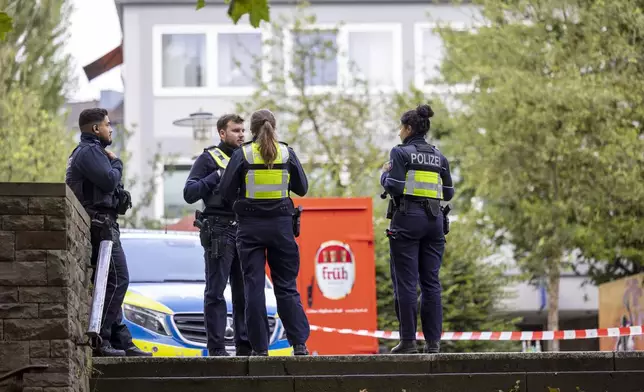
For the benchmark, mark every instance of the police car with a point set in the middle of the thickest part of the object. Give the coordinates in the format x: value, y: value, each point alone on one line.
x: 163, y: 307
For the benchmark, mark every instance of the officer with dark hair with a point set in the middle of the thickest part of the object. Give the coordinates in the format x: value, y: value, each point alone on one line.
x: 94, y: 175
x: 258, y: 182
x: 218, y: 234
x: 417, y: 177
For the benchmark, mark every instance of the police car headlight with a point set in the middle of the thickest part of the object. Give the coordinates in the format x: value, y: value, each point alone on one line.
x: 146, y: 318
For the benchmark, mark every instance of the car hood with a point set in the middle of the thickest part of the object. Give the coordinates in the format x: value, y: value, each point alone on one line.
x: 181, y: 297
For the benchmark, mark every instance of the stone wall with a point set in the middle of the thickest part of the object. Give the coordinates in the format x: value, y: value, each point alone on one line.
x: 44, y: 288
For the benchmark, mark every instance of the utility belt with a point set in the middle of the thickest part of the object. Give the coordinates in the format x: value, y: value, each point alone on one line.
x: 431, y: 206
x: 211, y: 231
x: 101, y: 223
x: 281, y: 211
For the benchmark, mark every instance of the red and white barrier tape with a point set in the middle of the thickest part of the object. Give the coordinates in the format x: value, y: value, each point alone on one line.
x: 522, y: 335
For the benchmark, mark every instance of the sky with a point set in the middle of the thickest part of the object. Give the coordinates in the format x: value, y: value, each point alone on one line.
x: 94, y: 31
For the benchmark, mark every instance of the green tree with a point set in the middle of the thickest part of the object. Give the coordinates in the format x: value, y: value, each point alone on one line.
x: 5, y: 24
x: 35, y: 143
x: 32, y: 55
x: 34, y: 78
x: 552, y: 127
x: 345, y: 158
x: 339, y: 138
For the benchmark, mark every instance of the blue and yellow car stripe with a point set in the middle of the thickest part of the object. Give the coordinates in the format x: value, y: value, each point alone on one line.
x: 171, y: 345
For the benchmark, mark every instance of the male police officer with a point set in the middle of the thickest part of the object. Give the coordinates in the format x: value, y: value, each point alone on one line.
x: 418, y: 178
x: 94, y: 175
x: 218, y: 234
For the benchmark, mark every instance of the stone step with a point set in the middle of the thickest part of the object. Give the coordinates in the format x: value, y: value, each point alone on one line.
x: 367, y: 364
x: 616, y: 381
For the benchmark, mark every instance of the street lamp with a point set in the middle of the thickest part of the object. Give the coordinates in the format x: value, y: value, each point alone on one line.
x: 202, y: 124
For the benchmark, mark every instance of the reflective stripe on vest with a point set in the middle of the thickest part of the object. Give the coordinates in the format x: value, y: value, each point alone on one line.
x: 264, y: 183
x: 423, y: 183
x: 221, y: 158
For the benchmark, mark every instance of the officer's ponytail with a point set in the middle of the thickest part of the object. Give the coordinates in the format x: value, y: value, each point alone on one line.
x: 418, y: 119
x: 262, y: 126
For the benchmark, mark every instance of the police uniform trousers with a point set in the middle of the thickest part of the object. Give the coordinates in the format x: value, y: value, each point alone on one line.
x: 417, y: 247
x: 259, y: 240
x: 118, y: 279
x: 220, y: 268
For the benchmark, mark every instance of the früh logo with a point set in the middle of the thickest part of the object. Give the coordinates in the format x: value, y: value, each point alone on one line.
x: 335, y: 269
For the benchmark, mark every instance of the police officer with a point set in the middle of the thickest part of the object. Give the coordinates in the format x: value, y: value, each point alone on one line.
x: 264, y: 172
x: 218, y: 233
x: 94, y: 175
x: 417, y: 177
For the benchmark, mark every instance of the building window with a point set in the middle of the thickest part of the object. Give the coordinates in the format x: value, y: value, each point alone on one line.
x: 326, y: 57
x: 314, y: 57
x: 374, y: 54
x: 236, y: 57
x: 184, y: 60
x: 174, y: 179
x: 207, y: 60
x: 429, y: 57
x: 431, y: 54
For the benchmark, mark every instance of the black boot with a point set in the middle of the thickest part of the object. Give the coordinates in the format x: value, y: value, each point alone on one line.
x: 405, y: 347
x: 219, y: 352
x: 300, y: 349
x: 136, y: 352
x: 243, y: 351
x: 106, y: 350
x: 259, y: 353
x: 432, y: 347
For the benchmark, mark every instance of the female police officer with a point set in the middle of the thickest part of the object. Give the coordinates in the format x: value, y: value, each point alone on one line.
x: 258, y: 180
x: 417, y: 177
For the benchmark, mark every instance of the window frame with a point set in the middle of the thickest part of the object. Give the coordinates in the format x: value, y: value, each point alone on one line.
x: 342, y: 42
x: 211, y: 32
x: 419, y: 77
x: 395, y: 29
x: 159, y: 198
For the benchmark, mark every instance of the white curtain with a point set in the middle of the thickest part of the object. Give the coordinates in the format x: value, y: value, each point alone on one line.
x: 236, y: 58
x: 184, y: 60
x: 371, y: 56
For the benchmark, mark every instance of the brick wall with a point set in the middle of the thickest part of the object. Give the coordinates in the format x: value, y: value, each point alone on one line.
x: 44, y: 287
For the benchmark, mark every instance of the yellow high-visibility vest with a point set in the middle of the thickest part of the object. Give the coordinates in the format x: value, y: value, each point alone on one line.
x: 423, y: 183
x: 262, y: 182
x: 221, y: 158
x: 422, y: 178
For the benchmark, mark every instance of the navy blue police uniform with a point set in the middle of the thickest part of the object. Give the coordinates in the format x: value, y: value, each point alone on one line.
x: 266, y: 233
x: 220, y: 254
x: 96, y: 183
x: 418, y: 179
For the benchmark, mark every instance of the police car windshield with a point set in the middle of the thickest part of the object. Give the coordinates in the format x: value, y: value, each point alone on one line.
x: 164, y: 260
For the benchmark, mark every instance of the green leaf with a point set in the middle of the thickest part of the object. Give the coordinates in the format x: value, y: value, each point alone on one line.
x: 5, y: 24
x: 257, y: 11
x: 201, y: 4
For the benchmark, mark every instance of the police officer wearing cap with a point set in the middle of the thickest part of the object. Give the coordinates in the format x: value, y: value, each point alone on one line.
x: 258, y: 180
x: 94, y: 175
x: 218, y: 233
x: 418, y: 178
